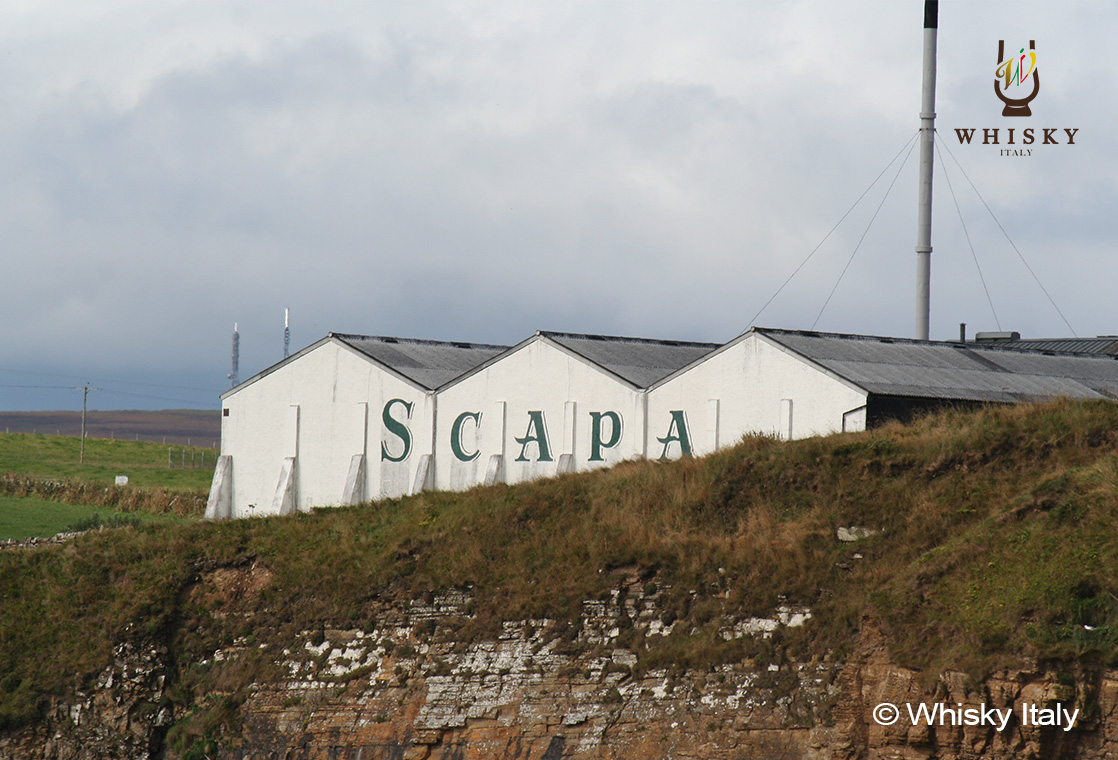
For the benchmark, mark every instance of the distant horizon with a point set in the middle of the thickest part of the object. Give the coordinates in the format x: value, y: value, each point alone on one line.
x: 103, y: 411
x: 194, y: 427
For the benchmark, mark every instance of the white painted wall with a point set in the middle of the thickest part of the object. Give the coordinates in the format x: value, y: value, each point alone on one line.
x: 329, y: 403
x: 322, y: 407
x: 752, y: 385
x: 537, y: 383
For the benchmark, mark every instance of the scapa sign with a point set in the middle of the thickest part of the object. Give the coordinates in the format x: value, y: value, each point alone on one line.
x: 1016, y: 85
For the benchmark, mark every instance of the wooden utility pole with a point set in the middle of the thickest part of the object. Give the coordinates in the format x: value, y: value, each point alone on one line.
x: 85, y: 396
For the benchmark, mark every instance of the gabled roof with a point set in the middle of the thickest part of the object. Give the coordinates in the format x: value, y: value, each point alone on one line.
x: 637, y: 362
x: 429, y: 363
x: 949, y: 370
x: 426, y: 363
x: 641, y: 361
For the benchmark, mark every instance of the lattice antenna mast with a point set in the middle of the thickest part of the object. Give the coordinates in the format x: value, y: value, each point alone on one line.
x: 286, y: 333
x: 234, y: 378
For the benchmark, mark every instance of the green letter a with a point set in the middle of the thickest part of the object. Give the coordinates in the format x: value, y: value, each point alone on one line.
x: 536, y: 433
x: 679, y: 428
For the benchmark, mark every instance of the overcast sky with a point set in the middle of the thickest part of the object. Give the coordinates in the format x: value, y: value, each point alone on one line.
x: 481, y: 170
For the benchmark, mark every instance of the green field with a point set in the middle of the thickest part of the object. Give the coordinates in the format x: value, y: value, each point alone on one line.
x: 25, y: 518
x: 146, y: 464
x: 45, y: 472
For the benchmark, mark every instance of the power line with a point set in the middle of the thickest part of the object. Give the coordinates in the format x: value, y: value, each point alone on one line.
x: 974, y: 255
x: 109, y: 391
x: 865, y: 232
x: 115, y: 382
x: 1008, y: 238
x: 52, y: 387
x: 911, y: 140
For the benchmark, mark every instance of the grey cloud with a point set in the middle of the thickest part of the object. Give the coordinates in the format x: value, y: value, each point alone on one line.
x: 482, y: 171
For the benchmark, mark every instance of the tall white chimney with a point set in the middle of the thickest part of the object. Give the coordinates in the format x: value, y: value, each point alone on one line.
x: 927, y: 146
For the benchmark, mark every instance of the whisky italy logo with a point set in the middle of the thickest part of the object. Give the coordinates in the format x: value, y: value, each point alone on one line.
x: 1012, y: 80
x: 1017, y: 83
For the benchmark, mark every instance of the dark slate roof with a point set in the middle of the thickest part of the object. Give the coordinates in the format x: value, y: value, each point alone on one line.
x: 1106, y: 345
x: 641, y: 361
x: 429, y: 363
x: 947, y: 370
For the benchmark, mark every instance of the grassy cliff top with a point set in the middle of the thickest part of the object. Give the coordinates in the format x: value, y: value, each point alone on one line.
x: 994, y: 540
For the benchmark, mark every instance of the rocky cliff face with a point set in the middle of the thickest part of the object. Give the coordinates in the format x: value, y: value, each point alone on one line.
x: 410, y: 689
x: 421, y: 684
x: 870, y: 679
x: 123, y: 716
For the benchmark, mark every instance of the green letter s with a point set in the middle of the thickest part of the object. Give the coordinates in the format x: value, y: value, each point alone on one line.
x: 398, y: 429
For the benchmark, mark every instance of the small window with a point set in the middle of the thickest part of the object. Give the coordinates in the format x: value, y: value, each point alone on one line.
x: 224, y: 412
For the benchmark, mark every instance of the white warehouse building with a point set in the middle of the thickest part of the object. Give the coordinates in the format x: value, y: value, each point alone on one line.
x: 356, y: 418
x: 555, y: 403
x: 347, y: 419
x: 796, y: 384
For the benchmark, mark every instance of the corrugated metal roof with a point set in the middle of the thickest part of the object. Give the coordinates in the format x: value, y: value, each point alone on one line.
x: 932, y: 369
x: 1104, y: 344
x: 429, y: 363
x: 641, y: 361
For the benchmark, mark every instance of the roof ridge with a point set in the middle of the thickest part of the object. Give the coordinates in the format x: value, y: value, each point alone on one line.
x: 969, y: 346
x: 624, y: 338
x: 846, y: 336
x: 415, y: 341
